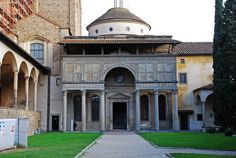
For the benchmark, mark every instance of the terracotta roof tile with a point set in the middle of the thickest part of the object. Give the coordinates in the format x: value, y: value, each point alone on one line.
x: 194, y: 48
x: 124, y: 40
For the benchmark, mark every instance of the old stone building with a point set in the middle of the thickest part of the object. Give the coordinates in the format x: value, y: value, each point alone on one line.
x: 118, y: 77
x: 23, y: 82
x: 38, y: 33
x: 195, y: 75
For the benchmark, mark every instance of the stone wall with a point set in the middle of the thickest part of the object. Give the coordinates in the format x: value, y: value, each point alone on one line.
x: 36, y: 25
x: 34, y: 117
x: 63, y: 13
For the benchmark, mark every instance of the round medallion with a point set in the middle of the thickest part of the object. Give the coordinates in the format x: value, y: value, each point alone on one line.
x: 119, y: 78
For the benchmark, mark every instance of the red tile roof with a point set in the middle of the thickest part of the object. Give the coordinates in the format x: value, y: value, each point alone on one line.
x: 120, y: 40
x: 194, y: 48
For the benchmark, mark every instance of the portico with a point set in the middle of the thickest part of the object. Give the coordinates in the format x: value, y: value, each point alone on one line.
x: 127, y: 94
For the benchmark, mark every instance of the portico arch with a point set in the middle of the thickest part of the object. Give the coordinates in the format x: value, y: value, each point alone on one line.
x: 119, y: 87
x: 33, y: 88
x: 209, y: 111
x: 10, y: 59
x: 23, y: 84
x: 7, y: 79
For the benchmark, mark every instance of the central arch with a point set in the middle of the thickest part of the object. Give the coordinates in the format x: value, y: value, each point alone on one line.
x: 106, y: 72
x: 119, y: 86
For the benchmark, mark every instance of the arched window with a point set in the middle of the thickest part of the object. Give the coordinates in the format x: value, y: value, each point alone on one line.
x: 77, y: 108
x: 37, y: 51
x: 144, y: 108
x: 162, y: 107
x: 95, y: 108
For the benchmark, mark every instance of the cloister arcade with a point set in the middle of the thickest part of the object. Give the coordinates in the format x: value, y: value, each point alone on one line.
x: 18, y: 82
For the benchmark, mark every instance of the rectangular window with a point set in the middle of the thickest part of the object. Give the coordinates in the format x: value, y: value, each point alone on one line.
x: 37, y: 51
x: 199, y: 117
x: 182, y: 61
x: 182, y: 78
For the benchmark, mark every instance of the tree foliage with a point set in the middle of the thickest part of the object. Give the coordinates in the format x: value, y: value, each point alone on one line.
x: 225, y: 64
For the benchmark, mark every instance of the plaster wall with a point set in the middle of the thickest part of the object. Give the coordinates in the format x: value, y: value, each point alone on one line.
x: 199, y: 73
x: 119, y: 27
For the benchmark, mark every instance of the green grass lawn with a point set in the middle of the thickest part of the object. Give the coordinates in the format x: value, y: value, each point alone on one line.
x: 53, y: 145
x: 192, y: 140
x: 199, y: 156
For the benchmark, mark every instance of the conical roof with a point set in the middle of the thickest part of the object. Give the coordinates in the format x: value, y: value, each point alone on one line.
x: 118, y: 14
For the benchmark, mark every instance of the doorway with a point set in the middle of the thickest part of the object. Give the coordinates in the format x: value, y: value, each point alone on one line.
x: 120, y: 116
x: 55, y: 123
x: 184, y: 121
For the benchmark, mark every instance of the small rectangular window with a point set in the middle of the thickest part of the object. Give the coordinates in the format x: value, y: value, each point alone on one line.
x: 199, y: 117
x: 182, y: 61
x: 182, y: 78
x: 58, y: 82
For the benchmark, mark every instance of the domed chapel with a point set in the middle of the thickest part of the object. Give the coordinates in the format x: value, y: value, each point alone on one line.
x: 119, y: 77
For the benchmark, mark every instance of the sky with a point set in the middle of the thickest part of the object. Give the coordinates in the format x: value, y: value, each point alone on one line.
x: 185, y: 20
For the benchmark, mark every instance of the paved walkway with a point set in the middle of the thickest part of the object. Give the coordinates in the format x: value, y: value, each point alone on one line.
x: 130, y: 145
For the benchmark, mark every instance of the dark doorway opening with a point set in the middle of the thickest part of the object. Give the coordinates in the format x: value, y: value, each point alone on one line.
x: 119, y: 116
x: 55, y: 123
x: 184, y: 121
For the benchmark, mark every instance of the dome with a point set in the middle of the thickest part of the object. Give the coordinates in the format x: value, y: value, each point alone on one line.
x: 118, y: 18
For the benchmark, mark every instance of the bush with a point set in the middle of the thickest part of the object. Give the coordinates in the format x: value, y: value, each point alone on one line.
x: 211, y: 130
x: 228, y: 132
x: 221, y: 130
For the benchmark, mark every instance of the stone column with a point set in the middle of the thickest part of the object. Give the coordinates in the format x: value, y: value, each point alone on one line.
x: 102, y: 50
x: 175, y: 113
x: 64, y: 110
x: 15, y: 87
x: 26, y: 92
x: 35, y: 94
x: 102, y: 110
x: 137, y: 109
x: 169, y: 105
x: 203, y: 113
x: 83, y: 111
x: 156, y: 109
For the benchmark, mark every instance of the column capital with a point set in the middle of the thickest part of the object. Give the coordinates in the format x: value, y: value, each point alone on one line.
x: 65, y: 91
x: 16, y: 71
x: 169, y: 93
x: 156, y: 91
x: 175, y: 91
x: 137, y: 90
x: 102, y: 91
x: 35, y: 81
x: 83, y: 92
x: 27, y: 77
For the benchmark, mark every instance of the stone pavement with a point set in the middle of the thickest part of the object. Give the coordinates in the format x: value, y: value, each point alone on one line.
x: 130, y: 145
x: 122, y: 145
